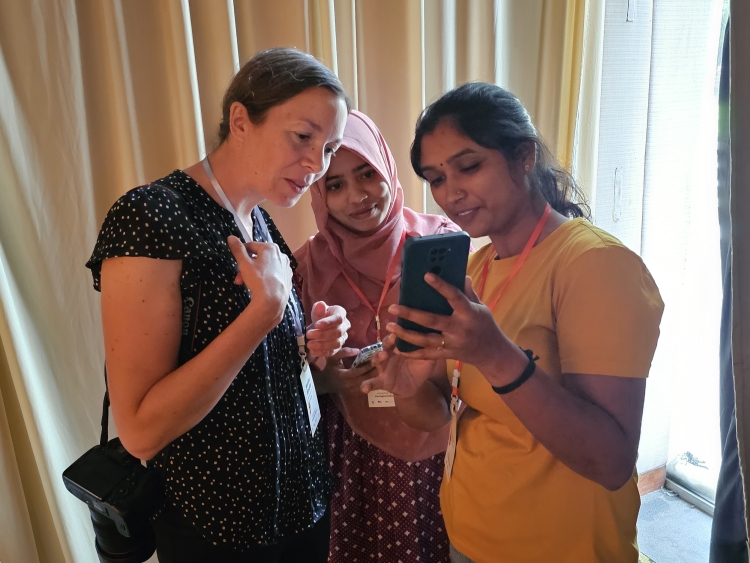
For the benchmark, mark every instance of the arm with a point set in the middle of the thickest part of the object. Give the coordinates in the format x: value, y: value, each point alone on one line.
x: 382, y: 427
x: 153, y: 400
x: 394, y: 430
x: 420, y: 388
x: 591, y: 423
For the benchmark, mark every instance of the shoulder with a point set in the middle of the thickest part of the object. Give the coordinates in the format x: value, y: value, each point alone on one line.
x: 421, y: 224
x: 582, y: 244
x: 151, y: 221
x: 597, y: 263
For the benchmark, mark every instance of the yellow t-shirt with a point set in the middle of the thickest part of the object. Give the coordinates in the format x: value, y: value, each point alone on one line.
x: 585, y: 304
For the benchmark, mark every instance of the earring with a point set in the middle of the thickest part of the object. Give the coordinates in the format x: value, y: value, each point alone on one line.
x: 528, y: 168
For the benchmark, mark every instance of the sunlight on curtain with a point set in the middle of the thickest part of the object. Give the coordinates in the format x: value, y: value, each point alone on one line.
x: 680, y: 233
x: 99, y: 97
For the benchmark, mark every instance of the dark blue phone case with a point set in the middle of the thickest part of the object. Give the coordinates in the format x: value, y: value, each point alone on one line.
x: 446, y: 256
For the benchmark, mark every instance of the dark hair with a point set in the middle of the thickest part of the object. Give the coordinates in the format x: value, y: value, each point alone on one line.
x: 495, y: 119
x: 272, y: 77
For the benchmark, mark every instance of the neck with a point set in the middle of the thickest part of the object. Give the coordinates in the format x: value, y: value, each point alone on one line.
x: 224, y: 163
x: 513, y: 236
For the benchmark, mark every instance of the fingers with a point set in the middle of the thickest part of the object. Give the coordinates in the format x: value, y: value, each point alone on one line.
x: 373, y: 384
x: 329, y: 316
x: 345, y: 353
x: 253, y: 247
x: 239, y: 251
x: 318, y: 311
x: 471, y: 295
x: 336, y: 333
x: 360, y: 372
x: 425, y: 340
x: 329, y: 333
x: 389, y: 343
x: 455, y: 298
x: 427, y: 320
x: 325, y: 348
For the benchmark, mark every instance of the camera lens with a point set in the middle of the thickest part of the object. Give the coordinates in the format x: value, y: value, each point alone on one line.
x: 113, y: 547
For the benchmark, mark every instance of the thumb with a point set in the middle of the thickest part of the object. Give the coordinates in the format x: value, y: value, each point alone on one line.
x: 373, y: 384
x: 469, y: 291
x: 345, y: 353
x: 238, y: 249
x: 318, y: 311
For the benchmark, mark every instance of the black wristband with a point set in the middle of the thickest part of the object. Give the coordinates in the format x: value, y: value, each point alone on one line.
x: 525, y: 375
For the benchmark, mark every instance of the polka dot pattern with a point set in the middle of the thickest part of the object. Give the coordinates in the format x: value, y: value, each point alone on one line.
x: 383, y: 508
x: 250, y: 472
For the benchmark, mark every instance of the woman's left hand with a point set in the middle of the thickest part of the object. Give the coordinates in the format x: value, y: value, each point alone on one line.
x: 470, y: 334
x: 328, y: 331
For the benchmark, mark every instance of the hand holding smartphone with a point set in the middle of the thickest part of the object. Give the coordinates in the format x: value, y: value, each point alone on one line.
x: 366, y: 354
x: 445, y: 255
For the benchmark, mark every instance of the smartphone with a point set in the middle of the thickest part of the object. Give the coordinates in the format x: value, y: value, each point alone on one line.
x: 366, y: 354
x: 446, y: 256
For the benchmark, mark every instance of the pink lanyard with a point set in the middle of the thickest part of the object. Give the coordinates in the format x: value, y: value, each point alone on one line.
x: 386, y: 286
x: 485, y: 271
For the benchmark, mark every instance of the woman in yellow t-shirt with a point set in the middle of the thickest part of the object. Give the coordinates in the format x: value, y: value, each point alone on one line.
x: 553, y: 339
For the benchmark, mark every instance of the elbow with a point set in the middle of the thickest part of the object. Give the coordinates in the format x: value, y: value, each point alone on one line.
x: 141, y: 445
x: 616, y: 477
x: 615, y: 482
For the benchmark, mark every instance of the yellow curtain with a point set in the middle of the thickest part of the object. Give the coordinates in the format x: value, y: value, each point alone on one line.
x: 99, y: 97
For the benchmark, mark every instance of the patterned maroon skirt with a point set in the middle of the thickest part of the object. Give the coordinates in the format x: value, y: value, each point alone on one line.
x: 383, y: 509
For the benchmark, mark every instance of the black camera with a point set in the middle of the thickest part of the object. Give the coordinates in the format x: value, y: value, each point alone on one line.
x: 122, y: 495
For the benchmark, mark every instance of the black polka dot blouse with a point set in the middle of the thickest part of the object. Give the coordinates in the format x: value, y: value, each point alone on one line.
x: 250, y: 472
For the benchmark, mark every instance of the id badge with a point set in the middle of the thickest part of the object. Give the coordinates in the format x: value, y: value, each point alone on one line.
x: 311, y: 397
x: 380, y: 398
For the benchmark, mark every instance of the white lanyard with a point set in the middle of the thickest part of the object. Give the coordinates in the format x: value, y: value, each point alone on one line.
x: 225, y: 200
x: 308, y: 386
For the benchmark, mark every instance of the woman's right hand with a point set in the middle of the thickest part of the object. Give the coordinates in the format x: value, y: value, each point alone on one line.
x: 335, y: 378
x: 266, y: 272
x: 396, y: 374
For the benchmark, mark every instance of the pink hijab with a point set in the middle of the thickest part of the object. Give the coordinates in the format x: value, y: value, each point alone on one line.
x: 365, y: 259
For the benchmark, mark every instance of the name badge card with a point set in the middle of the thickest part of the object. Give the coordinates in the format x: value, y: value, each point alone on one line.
x: 311, y: 397
x: 380, y: 398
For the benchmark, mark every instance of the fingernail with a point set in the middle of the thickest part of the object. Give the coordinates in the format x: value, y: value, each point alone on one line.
x: 393, y: 309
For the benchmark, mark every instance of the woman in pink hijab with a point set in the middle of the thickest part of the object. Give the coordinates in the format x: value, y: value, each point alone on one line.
x: 387, y: 475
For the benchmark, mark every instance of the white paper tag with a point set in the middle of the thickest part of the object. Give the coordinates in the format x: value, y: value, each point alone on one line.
x: 380, y: 398
x: 311, y: 398
x: 450, y: 452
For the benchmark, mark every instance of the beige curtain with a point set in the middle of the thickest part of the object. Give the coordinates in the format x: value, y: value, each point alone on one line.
x: 97, y: 97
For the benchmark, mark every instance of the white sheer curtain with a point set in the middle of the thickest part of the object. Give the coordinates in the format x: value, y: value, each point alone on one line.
x: 652, y: 127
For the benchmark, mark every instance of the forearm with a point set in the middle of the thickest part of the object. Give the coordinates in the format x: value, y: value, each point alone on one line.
x: 578, y: 432
x: 426, y: 410
x: 384, y: 428
x: 184, y: 396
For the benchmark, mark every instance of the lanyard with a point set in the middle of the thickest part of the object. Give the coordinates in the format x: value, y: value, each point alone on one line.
x: 225, y: 200
x: 294, y: 305
x: 386, y: 285
x: 483, y: 281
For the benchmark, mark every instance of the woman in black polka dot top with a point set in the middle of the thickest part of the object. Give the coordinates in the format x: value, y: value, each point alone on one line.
x: 201, y: 326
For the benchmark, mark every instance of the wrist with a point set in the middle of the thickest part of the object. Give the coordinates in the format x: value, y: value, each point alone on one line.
x: 504, y: 365
x: 264, y: 314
